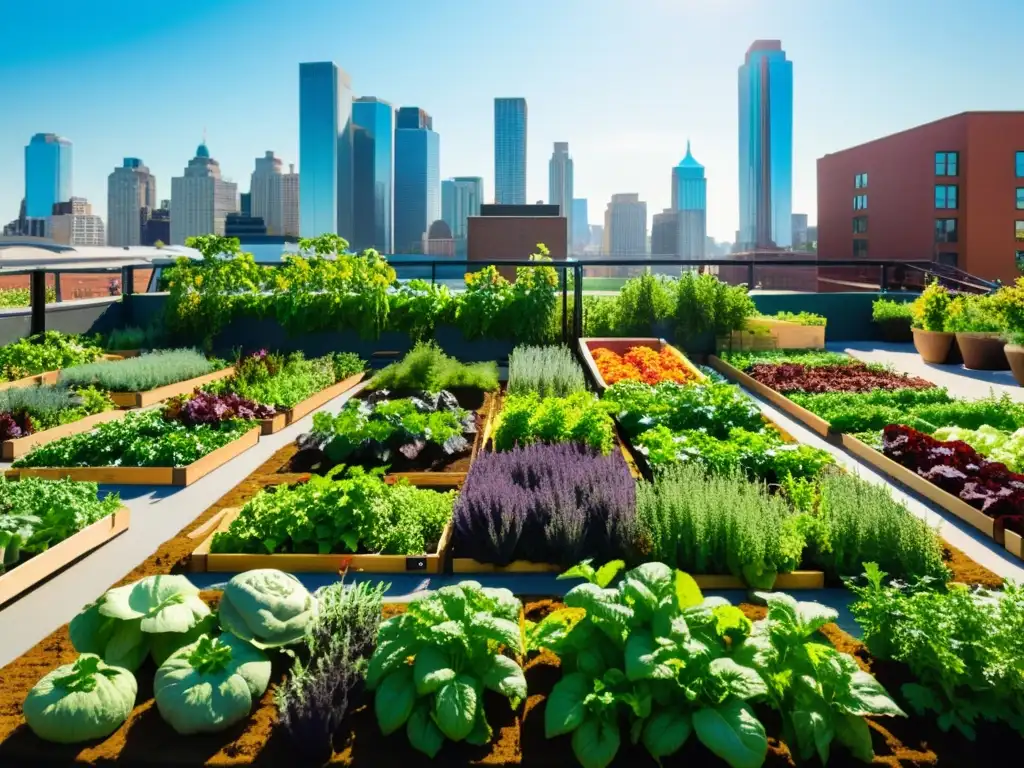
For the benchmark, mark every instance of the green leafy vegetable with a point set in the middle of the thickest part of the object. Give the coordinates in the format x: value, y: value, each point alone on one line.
x: 527, y: 418
x: 267, y: 608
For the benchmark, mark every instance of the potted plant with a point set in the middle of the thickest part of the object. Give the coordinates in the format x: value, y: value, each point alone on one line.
x: 894, y: 319
x: 708, y: 309
x: 1010, y: 301
x: 931, y: 340
x: 978, y: 327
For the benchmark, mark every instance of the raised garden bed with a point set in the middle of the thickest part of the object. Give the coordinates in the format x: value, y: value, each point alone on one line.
x: 153, y: 396
x: 176, y: 476
x: 587, y: 346
x: 288, y: 417
x: 17, y: 447
x: 772, y: 333
x: 38, y: 568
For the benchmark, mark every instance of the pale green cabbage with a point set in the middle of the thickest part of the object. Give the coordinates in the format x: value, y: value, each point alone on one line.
x: 211, y: 684
x: 994, y: 444
x: 80, y: 702
x: 267, y: 607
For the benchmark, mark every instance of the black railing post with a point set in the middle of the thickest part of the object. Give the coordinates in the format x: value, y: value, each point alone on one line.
x: 577, y: 307
x: 37, y: 297
x: 883, y: 281
x: 127, y: 291
x: 750, y: 276
x: 433, y: 273
x: 56, y: 287
x: 564, y: 279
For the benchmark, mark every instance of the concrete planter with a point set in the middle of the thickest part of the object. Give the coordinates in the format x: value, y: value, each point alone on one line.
x: 1015, y: 357
x: 982, y: 351
x: 933, y: 346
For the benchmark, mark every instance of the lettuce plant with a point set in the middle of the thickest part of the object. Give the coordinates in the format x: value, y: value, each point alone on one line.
x: 457, y: 639
x: 205, y: 408
x: 267, y: 607
x: 80, y: 702
x: 122, y: 625
x: 822, y: 694
x: 579, y: 418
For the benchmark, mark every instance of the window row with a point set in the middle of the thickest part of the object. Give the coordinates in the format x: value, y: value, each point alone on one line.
x: 946, y: 196
x: 860, y: 181
x: 860, y: 224
x: 860, y: 202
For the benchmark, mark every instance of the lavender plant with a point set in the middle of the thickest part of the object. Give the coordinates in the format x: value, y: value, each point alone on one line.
x: 546, y: 503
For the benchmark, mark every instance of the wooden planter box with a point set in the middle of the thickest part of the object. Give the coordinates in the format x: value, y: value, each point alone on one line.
x: 48, y: 377
x: 34, y: 570
x: 910, y: 479
x: 177, y: 476
x: 18, y: 447
x: 288, y: 417
x: 124, y: 354
x: 794, y: 580
x: 153, y: 396
x: 1014, y: 544
x: 204, y: 560
x: 621, y: 347
x: 813, y: 421
x: 776, y: 334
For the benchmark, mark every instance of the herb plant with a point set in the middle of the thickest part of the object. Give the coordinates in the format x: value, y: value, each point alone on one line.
x: 713, y: 408
x: 329, y: 673
x: 418, y: 308
x: 137, y: 374
x: 429, y: 369
x: 809, y: 358
x: 354, y: 512
x: 140, y: 439
x: 545, y: 371
x: 704, y: 304
x: 546, y: 504
x: 433, y: 663
x: 48, y: 351
x: 527, y: 418
x: 962, y: 647
x: 284, y: 381
x: 34, y: 409
x: 886, y: 310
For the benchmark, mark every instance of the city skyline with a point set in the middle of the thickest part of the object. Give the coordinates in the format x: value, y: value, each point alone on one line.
x: 254, y: 106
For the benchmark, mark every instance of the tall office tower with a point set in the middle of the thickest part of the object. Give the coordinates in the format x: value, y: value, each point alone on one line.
x: 766, y: 146
x: 290, y: 202
x: 417, y: 178
x: 131, y: 195
x: 690, y: 198
x: 510, y: 151
x: 560, y: 182
x: 580, y: 232
x: 200, y: 199
x: 626, y: 225
x: 72, y: 222
x: 461, y: 197
x: 47, y: 174
x: 265, y: 199
x: 325, y: 150
x: 373, y: 146
x: 800, y: 239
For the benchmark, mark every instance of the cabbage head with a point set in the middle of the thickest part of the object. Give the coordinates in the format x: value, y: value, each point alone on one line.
x: 121, y: 626
x: 80, y: 702
x: 211, y: 684
x: 267, y: 607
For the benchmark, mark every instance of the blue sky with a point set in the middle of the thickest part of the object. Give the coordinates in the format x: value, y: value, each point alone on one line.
x: 625, y: 82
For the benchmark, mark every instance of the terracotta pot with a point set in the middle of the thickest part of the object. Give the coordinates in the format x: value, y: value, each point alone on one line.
x: 1015, y: 356
x: 982, y: 351
x: 933, y: 346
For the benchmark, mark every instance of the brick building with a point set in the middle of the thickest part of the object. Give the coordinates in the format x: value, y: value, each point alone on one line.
x: 950, y: 191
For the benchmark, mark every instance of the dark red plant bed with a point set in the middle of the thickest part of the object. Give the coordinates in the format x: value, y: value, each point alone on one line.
x: 958, y: 469
x: 854, y: 377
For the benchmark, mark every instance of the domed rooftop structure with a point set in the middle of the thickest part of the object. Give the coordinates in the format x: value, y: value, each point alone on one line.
x: 689, y: 161
x: 439, y: 230
x: 202, y: 151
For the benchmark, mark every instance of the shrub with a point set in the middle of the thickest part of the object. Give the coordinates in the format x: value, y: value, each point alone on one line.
x: 134, y: 337
x: 427, y: 368
x: 802, y: 318
x: 974, y: 314
x: 418, y: 307
x: 22, y: 297
x: 600, y: 316
x: 886, y: 310
x: 866, y: 524
x: 579, y: 418
x: 137, y: 374
x: 547, y: 371
x: 643, y: 302
x: 546, y: 504
x: 714, y: 524
x: 930, y: 308
x: 44, y: 352
x: 707, y: 305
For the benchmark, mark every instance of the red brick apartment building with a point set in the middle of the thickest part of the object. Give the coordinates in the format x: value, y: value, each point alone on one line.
x: 950, y: 191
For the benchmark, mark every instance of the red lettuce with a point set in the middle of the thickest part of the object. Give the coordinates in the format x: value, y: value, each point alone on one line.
x: 854, y: 377
x: 206, y: 408
x: 14, y: 425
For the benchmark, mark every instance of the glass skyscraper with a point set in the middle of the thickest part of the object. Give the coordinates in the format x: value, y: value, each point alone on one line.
x: 461, y: 198
x: 325, y: 150
x: 373, y: 149
x: 766, y: 146
x: 510, y: 151
x: 417, y: 178
x: 47, y: 174
x: 689, y: 200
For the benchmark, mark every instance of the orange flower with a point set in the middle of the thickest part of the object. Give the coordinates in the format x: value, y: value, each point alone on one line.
x: 641, y: 364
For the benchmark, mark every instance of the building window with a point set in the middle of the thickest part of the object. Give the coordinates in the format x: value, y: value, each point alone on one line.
x: 945, y: 196
x: 1018, y: 232
x: 860, y: 225
x: 949, y: 259
x: 1020, y: 165
x: 1019, y: 259
x: 860, y: 248
x: 1020, y: 198
x: 946, y: 163
x: 860, y: 181
x: 860, y: 202
x: 946, y: 230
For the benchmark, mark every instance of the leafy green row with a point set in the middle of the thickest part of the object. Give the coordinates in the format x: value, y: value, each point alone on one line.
x: 48, y: 351
x: 137, y: 374
x: 528, y: 418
